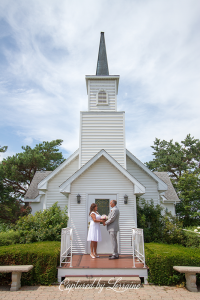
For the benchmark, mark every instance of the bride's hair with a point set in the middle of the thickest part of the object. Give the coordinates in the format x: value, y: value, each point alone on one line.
x: 93, y: 205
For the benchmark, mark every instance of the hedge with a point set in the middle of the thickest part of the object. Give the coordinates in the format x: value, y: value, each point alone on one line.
x: 160, y: 258
x: 9, y: 237
x: 44, y: 256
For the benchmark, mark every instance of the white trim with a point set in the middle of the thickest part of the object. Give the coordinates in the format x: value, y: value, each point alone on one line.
x: 165, y: 200
x: 124, y: 141
x: 88, y: 95
x: 45, y: 202
x: 80, y: 139
x: 109, y: 77
x: 138, y: 187
x: 116, y: 95
x: 102, y: 112
x: 43, y: 184
x: 162, y: 186
x: 37, y: 199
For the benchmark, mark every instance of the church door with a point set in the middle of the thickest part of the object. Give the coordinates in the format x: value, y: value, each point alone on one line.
x: 103, y: 203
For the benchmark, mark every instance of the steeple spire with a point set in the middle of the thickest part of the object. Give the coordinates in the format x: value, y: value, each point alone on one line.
x: 102, y: 63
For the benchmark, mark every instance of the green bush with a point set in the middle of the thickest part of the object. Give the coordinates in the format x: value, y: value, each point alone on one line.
x: 158, y: 226
x: 44, y: 256
x: 9, y: 237
x: 160, y: 258
x: 43, y: 226
x: 191, y: 239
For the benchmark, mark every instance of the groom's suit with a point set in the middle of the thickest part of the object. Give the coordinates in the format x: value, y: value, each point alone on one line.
x: 113, y: 227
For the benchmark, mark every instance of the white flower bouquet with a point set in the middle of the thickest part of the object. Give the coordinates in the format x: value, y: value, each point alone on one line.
x: 104, y: 217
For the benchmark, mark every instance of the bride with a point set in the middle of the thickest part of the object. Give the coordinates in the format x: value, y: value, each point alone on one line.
x: 94, y: 233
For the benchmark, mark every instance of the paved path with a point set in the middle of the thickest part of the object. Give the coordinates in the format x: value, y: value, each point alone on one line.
x: 53, y: 292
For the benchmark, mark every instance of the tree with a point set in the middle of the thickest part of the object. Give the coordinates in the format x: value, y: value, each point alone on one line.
x: 175, y: 158
x: 18, y: 170
x: 10, y: 207
x: 3, y: 149
x: 188, y: 188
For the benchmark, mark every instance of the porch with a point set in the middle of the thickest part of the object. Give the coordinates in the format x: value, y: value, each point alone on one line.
x: 85, y: 266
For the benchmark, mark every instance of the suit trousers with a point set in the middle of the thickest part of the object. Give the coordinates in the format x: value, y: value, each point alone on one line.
x: 113, y: 236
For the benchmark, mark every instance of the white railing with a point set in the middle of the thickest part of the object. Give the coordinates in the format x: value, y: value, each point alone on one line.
x: 66, y: 246
x: 138, y: 245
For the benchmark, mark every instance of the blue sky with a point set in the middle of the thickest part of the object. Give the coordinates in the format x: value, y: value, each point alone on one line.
x: 47, y: 48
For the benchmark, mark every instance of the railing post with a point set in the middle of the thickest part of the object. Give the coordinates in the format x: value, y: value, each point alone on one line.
x: 133, y: 242
x: 66, y: 245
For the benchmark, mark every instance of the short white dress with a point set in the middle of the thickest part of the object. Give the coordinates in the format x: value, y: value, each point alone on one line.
x: 94, y: 232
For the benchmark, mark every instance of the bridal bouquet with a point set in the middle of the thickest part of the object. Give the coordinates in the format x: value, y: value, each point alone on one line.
x: 104, y: 217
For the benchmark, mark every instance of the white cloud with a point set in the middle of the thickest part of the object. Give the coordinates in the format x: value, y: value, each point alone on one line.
x: 49, y: 46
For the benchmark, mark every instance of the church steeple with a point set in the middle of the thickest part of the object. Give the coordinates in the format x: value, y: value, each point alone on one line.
x: 102, y: 63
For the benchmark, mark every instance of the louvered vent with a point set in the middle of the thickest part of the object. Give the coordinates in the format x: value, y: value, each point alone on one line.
x: 102, y: 97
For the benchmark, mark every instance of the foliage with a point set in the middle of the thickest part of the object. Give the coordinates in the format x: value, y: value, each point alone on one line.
x: 18, y: 170
x: 191, y: 239
x: 44, y: 256
x: 149, y: 217
x: 43, y: 226
x: 188, y: 188
x: 182, y: 162
x: 175, y: 158
x: 158, y: 226
x: 160, y: 258
x: 172, y: 230
x: 4, y: 227
x: 9, y: 237
x: 3, y: 149
x: 10, y: 207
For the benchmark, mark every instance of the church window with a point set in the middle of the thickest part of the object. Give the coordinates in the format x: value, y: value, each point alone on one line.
x: 102, y: 98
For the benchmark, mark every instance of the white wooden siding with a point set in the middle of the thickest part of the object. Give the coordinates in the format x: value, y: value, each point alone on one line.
x: 109, y: 86
x: 102, y: 178
x: 53, y: 193
x: 102, y: 130
x: 150, y: 184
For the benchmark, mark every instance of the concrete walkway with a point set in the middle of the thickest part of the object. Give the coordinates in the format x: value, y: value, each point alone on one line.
x: 53, y: 292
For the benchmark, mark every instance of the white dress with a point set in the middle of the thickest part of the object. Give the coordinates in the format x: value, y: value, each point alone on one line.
x: 94, y: 232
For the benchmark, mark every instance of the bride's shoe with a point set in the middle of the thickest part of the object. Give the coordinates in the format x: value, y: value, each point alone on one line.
x: 96, y: 255
x: 92, y: 256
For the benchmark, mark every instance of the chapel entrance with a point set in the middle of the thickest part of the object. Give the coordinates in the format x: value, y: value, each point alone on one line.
x: 103, y: 203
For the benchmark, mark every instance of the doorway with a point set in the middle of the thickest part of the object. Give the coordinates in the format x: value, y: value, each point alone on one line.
x: 103, y: 203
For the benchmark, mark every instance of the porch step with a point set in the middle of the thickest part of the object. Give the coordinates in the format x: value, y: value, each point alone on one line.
x: 106, y: 280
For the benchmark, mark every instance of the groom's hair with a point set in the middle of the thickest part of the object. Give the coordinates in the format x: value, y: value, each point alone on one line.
x: 114, y: 201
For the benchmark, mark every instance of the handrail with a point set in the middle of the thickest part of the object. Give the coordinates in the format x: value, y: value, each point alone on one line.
x: 138, y: 245
x: 66, y: 246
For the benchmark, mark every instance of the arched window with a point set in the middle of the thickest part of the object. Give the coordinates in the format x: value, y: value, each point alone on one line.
x: 102, y: 98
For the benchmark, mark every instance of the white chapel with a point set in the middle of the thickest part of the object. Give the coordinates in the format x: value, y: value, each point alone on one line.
x: 101, y: 169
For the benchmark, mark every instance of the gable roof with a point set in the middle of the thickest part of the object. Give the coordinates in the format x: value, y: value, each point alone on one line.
x: 162, y: 186
x: 170, y: 194
x: 33, y: 191
x: 43, y: 184
x: 139, y: 189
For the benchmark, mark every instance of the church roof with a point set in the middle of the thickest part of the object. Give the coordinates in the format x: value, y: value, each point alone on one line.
x: 65, y: 187
x: 102, y: 63
x: 170, y: 194
x: 33, y: 191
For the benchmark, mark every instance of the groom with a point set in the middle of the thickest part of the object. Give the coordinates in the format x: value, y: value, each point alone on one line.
x: 113, y: 227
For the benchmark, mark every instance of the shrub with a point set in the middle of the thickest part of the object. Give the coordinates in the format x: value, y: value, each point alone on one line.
x: 158, y: 227
x: 9, y: 237
x: 44, y: 256
x: 191, y: 239
x: 43, y: 226
x: 160, y: 258
x: 150, y: 218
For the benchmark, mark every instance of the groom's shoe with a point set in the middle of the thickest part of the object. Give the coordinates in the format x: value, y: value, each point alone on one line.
x: 113, y: 257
